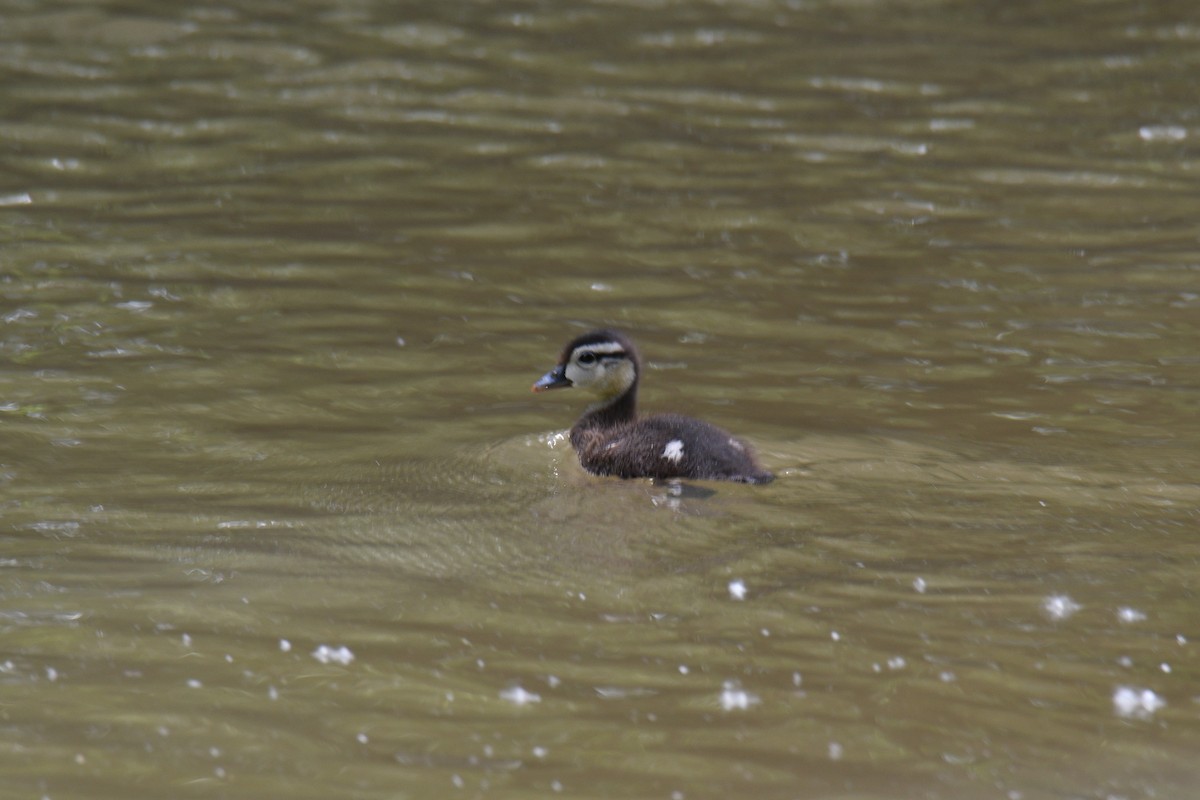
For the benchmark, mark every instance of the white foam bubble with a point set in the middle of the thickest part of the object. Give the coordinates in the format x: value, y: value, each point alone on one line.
x: 333, y: 655
x: 1129, y: 615
x: 1130, y: 701
x: 1060, y: 606
x: 1162, y: 133
x: 734, y: 697
x: 517, y: 695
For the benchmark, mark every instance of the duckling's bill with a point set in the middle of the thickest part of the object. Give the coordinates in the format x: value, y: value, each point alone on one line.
x: 554, y: 379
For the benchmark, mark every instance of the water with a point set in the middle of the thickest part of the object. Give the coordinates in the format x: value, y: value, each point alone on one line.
x: 280, y: 516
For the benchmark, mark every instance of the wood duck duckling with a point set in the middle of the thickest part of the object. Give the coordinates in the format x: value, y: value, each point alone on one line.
x: 612, y: 440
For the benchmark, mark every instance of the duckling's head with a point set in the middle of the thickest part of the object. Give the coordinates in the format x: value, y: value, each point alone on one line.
x: 604, y: 362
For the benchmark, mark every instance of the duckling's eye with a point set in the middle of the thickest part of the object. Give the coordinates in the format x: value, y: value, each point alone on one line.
x: 587, y: 359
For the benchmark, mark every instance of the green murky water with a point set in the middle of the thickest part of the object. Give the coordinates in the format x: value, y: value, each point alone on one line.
x: 280, y: 518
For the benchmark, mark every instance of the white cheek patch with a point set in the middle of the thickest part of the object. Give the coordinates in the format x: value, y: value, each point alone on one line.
x: 673, y: 452
x: 608, y: 376
x: 619, y: 375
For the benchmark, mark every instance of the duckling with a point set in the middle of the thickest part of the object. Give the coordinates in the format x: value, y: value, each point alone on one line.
x: 612, y: 440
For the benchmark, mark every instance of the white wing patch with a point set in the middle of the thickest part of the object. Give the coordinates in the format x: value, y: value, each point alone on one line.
x: 673, y: 452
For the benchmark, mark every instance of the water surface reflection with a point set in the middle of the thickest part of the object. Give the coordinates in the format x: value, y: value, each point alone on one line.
x: 280, y: 518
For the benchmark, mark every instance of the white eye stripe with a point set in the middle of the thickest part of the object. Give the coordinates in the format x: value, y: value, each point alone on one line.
x: 602, y: 348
